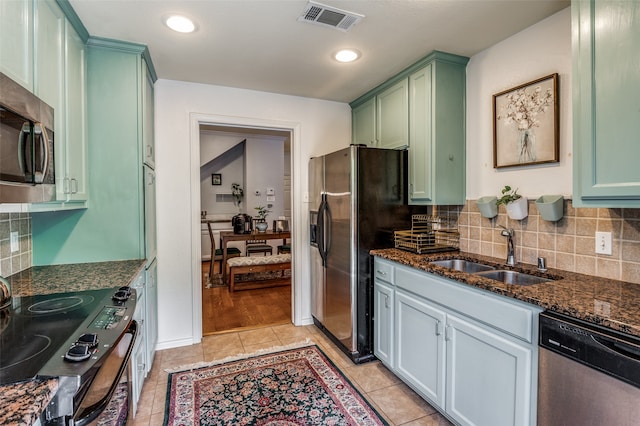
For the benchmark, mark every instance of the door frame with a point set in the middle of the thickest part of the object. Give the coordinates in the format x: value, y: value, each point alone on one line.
x: 198, y: 119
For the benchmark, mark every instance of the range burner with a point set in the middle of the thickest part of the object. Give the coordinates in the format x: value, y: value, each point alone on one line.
x: 59, y: 304
x: 25, y: 349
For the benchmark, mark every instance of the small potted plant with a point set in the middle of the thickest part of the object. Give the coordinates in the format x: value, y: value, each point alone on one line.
x: 515, y: 204
x: 261, y: 217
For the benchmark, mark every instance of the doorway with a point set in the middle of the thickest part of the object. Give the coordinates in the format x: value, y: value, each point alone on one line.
x: 259, y: 161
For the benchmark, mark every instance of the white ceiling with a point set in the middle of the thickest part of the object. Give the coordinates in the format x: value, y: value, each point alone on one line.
x: 260, y: 45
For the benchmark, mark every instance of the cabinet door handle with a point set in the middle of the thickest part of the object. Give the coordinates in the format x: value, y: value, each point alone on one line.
x: 438, y: 332
x: 65, y: 186
x: 379, y: 272
x: 74, y: 186
x: 386, y: 301
x: 447, y: 332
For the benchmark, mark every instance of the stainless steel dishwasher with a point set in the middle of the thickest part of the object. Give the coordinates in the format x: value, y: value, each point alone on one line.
x: 587, y: 375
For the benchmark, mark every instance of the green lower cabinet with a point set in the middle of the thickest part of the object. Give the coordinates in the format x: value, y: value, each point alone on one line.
x: 383, y: 336
x: 488, y: 376
x: 420, y: 358
x: 468, y: 352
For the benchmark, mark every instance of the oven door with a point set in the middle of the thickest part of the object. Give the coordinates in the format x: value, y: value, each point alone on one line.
x: 94, y: 400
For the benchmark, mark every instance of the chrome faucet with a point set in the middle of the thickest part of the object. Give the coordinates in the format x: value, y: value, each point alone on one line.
x: 511, y: 253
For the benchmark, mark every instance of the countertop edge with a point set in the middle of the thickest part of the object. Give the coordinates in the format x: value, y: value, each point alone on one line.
x: 600, y: 301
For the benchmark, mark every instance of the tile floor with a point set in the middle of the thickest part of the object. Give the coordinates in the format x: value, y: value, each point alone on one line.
x: 398, y: 404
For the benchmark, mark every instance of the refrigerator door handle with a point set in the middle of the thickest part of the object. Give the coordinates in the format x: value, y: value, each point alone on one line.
x: 320, y: 233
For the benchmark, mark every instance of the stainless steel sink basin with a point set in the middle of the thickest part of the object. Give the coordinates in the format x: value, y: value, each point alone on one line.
x: 463, y: 265
x: 513, y: 277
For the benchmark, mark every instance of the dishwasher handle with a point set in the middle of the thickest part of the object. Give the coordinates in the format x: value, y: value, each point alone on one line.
x: 619, y: 347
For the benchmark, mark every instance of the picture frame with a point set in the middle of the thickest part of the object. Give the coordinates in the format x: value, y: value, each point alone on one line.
x: 216, y: 179
x: 525, y: 124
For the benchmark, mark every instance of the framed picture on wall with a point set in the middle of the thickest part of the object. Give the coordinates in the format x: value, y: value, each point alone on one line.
x: 525, y: 124
x: 216, y: 179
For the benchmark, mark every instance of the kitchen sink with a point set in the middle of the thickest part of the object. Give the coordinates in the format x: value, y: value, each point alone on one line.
x: 513, y: 277
x: 463, y: 265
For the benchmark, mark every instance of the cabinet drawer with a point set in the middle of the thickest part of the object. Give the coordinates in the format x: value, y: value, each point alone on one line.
x: 383, y: 270
x: 511, y: 317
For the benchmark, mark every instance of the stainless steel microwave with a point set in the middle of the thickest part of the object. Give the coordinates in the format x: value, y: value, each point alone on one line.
x: 26, y: 146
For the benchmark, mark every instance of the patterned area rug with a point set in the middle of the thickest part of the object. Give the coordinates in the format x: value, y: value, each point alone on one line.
x: 292, y: 387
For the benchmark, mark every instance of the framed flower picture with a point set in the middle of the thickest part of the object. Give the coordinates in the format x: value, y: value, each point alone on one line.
x: 216, y: 179
x: 525, y: 124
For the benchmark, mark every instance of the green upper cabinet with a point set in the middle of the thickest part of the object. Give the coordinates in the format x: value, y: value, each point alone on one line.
x: 392, y: 117
x: 364, y: 123
x: 437, y: 132
x: 75, y: 185
x: 422, y: 109
x: 148, y: 138
x: 46, y: 53
x: 381, y: 120
x: 113, y: 227
x: 60, y: 81
x: 16, y: 41
x: 606, y: 116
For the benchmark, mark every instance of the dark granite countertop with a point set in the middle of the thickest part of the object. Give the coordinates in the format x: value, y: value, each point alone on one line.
x: 74, y: 277
x: 610, y: 303
x: 24, y: 402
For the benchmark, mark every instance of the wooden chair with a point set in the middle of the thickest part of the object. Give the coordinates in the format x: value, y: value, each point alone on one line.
x: 257, y: 246
x: 216, y: 253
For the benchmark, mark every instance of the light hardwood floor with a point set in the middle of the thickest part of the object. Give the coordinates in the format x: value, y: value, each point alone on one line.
x: 223, y: 311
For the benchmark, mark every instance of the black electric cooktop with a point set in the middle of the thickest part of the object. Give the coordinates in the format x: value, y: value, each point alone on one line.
x: 35, y: 327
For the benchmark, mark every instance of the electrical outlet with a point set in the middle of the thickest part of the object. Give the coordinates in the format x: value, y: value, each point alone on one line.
x: 603, y: 243
x: 15, y: 244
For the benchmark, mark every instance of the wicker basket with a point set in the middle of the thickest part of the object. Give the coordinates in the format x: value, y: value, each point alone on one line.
x: 428, y: 234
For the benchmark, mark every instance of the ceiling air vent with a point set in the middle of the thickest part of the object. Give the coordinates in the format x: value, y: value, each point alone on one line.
x: 316, y: 13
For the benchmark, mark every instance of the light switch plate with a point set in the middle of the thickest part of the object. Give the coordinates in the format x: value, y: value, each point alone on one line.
x: 603, y: 243
x: 15, y: 244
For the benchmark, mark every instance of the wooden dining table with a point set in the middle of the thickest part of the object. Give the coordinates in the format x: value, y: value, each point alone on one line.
x: 227, y: 236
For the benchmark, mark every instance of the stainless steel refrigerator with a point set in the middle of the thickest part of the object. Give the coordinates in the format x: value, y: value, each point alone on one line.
x: 358, y: 197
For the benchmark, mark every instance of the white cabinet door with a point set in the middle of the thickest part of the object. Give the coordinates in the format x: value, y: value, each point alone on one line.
x: 148, y: 138
x: 76, y: 175
x: 420, y: 134
x: 137, y: 371
x: 49, y: 64
x: 420, y: 358
x: 150, y: 214
x: 488, y: 376
x: 392, y: 124
x: 16, y: 41
x: 364, y: 123
x: 383, y: 323
x: 151, y: 313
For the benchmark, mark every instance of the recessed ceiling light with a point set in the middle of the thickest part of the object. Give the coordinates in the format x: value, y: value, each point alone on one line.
x: 346, y: 55
x: 180, y: 24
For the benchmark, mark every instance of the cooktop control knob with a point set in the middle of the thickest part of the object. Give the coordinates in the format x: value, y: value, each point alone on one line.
x: 78, y: 353
x: 88, y: 339
x: 122, y: 295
